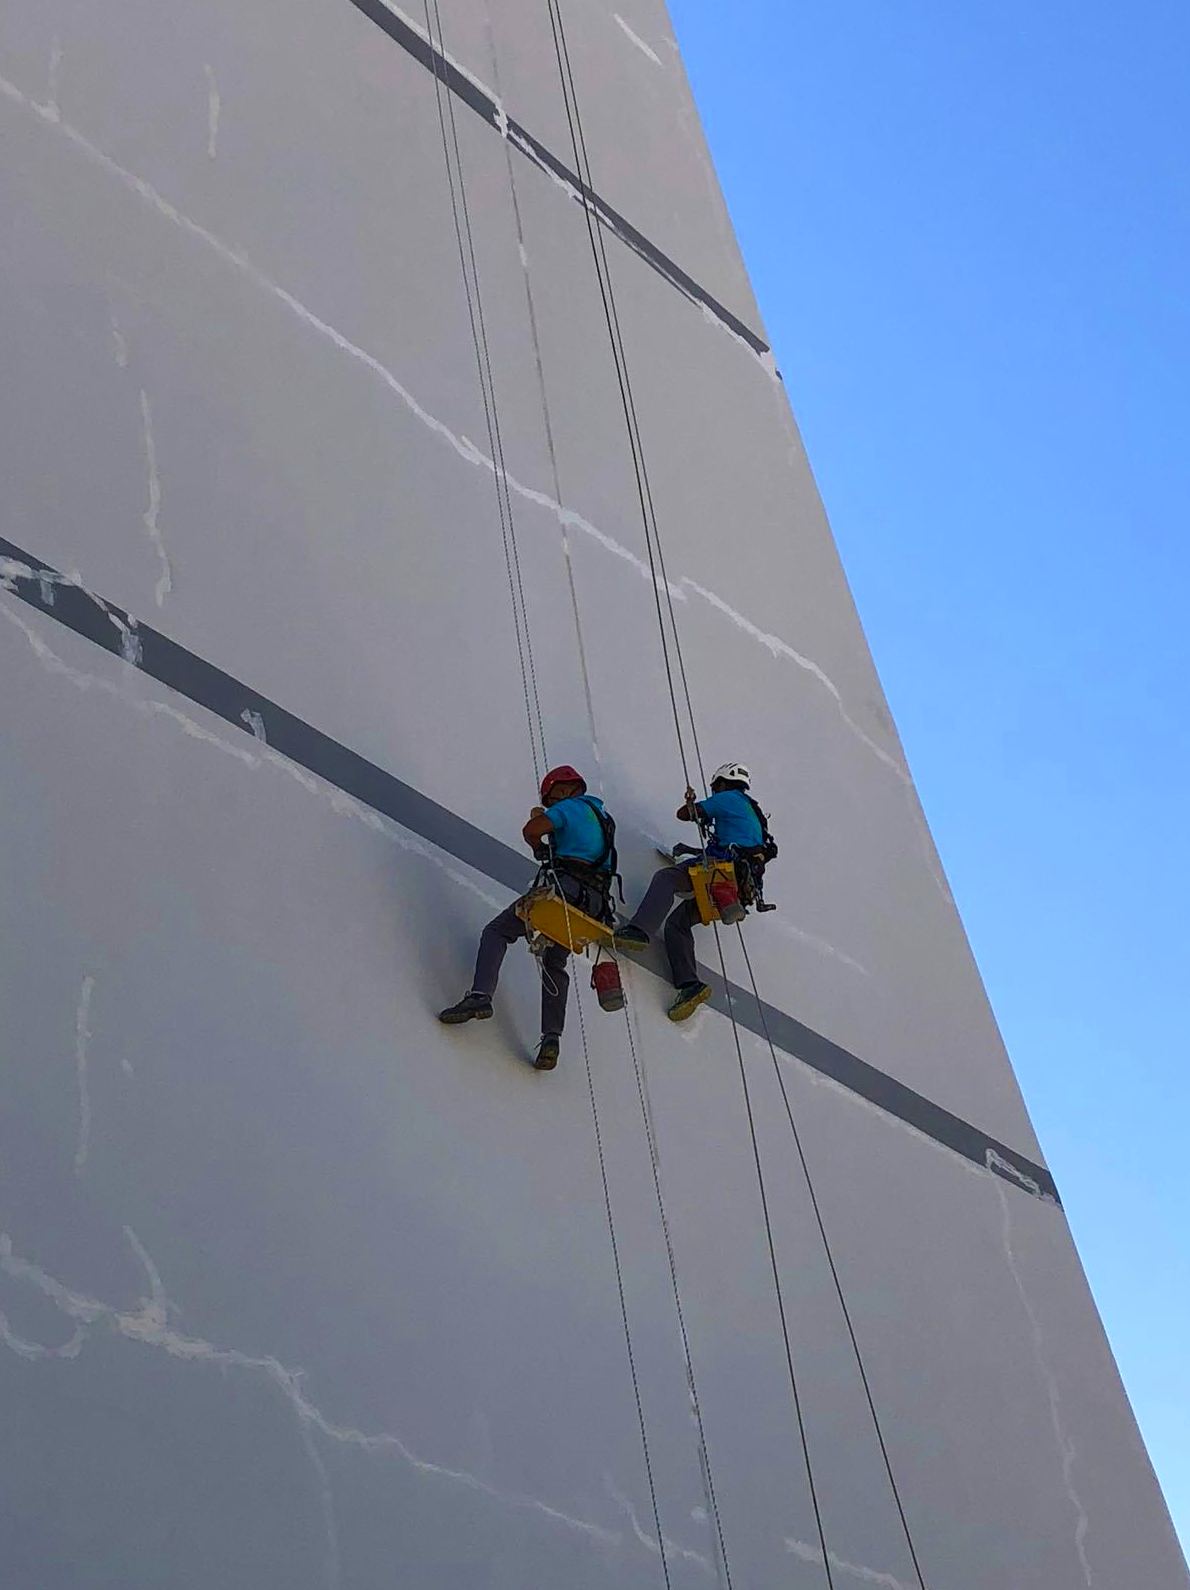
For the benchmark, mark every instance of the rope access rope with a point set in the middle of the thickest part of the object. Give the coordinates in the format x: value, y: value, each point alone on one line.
x: 528, y: 672
x: 603, y: 271
x: 471, y: 286
x: 607, y: 295
x: 830, y: 1259
x: 611, y: 1226
x: 768, y: 1229
x: 648, y: 514
x: 691, y: 1382
x: 653, y: 538
x: 660, y: 579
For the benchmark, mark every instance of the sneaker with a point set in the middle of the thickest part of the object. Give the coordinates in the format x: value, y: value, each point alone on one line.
x: 690, y: 997
x: 547, y: 1053
x: 630, y: 937
x: 472, y: 1007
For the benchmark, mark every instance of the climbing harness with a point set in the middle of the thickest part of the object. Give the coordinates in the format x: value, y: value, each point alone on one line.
x: 726, y: 888
x: 575, y: 925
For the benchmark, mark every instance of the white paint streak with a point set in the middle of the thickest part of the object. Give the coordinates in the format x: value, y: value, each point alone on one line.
x: 255, y: 722
x: 82, y: 1038
x: 638, y: 41
x: 339, y: 802
x: 648, y: 1541
x: 461, y: 445
x: 146, y: 705
x: 52, y: 108
x: 32, y: 1351
x: 814, y: 942
x: 11, y: 571
x: 456, y: 65
x: 148, y: 1325
x: 214, y: 107
x: 152, y: 515
x: 120, y: 341
x: 1066, y: 1448
x: 781, y: 648
x: 807, y: 1552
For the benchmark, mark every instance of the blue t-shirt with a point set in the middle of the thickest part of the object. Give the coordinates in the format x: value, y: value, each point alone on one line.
x: 733, y: 822
x: 577, y: 831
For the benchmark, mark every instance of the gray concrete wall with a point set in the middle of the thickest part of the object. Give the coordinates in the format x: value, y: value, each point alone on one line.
x: 297, y: 1288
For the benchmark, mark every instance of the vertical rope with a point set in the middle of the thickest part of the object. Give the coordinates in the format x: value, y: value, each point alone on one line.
x: 611, y: 1226
x: 659, y: 578
x: 605, y: 294
x: 830, y: 1259
x: 691, y: 1382
x: 595, y: 229
x: 551, y: 448
x: 471, y: 286
x: 768, y: 1228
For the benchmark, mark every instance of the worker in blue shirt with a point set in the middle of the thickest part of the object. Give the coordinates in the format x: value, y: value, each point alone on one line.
x: 573, y: 831
x: 732, y: 824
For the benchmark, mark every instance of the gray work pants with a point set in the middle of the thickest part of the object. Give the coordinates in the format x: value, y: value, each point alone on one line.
x: 506, y: 929
x: 667, y: 883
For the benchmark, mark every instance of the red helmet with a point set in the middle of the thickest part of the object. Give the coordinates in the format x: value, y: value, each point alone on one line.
x: 561, y: 775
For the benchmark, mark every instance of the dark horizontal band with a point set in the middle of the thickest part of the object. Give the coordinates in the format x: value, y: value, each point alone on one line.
x: 69, y: 603
x: 474, y: 97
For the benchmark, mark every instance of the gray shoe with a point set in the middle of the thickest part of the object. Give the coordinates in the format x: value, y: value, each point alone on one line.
x: 547, y: 1053
x: 472, y: 1007
x: 630, y: 937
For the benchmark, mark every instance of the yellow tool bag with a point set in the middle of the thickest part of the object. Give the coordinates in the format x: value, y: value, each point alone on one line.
x: 716, y: 892
x: 548, y: 916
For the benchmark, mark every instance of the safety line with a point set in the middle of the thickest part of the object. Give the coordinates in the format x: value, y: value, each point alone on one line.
x: 583, y: 161
x: 830, y: 1259
x: 566, y: 71
x: 619, y: 356
x: 466, y: 89
x: 75, y: 607
x: 606, y: 294
x: 517, y: 593
x: 653, y: 540
x: 471, y: 286
x: 768, y: 1228
x: 691, y: 1382
x: 611, y: 1225
x: 547, y: 421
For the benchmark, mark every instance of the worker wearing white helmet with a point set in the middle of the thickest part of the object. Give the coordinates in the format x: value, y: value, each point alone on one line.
x: 734, y: 825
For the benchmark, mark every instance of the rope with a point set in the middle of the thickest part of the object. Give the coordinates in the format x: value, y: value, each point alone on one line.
x: 659, y: 579
x: 656, y: 566
x: 599, y: 246
x: 611, y: 1226
x: 830, y: 1259
x: 607, y: 297
x: 471, y: 284
x: 479, y: 338
x: 704, y: 1454
x: 768, y: 1227
x: 555, y: 471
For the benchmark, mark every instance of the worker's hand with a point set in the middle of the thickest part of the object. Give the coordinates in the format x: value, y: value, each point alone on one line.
x: 537, y: 811
x: 691, y: 796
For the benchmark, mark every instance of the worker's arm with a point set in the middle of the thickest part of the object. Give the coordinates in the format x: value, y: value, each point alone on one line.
x: 539, y: 826
x: 688, y: 813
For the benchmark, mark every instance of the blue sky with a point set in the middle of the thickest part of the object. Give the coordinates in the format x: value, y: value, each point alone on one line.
x: 968, y: 228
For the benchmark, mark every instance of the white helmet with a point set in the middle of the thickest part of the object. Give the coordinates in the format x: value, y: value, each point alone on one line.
x: 734, y: 772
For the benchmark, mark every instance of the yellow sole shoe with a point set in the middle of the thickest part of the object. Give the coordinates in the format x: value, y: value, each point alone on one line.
x: 688, y: 1002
